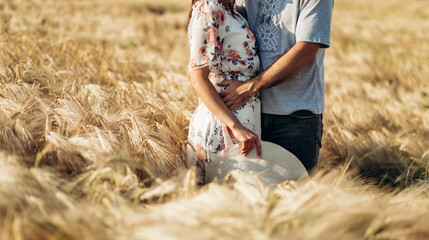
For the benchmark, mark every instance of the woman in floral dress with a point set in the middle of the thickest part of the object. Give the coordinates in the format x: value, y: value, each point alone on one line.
x: 221, y: 47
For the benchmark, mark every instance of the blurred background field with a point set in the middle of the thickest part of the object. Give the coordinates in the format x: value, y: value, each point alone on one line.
x: 94, y: 107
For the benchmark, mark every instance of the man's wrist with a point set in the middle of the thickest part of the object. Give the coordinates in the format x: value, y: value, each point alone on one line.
x: 252, y: 87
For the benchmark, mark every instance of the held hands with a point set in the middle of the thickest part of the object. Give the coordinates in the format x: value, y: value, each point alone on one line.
x: 237, y: 94
x: 248, y: 139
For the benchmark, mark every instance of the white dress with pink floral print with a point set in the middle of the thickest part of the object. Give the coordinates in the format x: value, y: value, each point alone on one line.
x: 222, y: 41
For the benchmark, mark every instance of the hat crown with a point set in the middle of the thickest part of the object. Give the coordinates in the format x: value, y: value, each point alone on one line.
x: 275, y: 166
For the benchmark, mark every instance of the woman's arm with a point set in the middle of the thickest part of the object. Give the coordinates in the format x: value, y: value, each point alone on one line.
x: 210, y: 97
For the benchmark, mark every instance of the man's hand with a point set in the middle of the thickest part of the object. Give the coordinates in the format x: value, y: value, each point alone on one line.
x: 237, y: 94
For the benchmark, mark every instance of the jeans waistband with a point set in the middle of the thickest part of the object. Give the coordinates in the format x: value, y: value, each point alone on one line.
x: 304, y: 113
x: 301, y: 113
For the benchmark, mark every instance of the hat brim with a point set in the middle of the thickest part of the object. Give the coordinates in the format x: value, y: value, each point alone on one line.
x: 275, y: 166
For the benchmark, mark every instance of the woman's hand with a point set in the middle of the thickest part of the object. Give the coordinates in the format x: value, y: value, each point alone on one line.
x: 248, y: 139
x: 211, y: 98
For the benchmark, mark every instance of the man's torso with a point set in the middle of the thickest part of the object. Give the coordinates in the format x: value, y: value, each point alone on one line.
x: 277, y: 25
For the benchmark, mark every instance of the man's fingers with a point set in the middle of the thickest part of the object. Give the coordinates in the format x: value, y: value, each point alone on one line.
x: 235, y: 103
x: 227, y: 98
x: 232, y: 107
x: 224, y: 83
x: 229, y: 103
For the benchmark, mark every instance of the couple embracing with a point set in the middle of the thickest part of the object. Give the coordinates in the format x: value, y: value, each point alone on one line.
x: 257, y: 67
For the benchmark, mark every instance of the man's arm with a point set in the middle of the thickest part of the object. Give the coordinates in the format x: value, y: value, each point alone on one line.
x: 286, y: 67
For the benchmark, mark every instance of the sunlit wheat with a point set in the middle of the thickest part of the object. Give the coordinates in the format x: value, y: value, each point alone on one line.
x: 94, y: 108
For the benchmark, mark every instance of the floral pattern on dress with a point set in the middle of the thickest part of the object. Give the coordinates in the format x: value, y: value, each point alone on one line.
x: 224, y: 42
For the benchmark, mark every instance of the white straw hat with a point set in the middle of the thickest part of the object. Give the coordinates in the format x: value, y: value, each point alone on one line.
x: 275, y: 166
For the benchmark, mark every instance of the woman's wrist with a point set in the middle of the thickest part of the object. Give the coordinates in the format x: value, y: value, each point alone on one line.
x: 235, y: 124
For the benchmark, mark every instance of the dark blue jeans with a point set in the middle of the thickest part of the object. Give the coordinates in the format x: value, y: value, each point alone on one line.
x: 300, y: 133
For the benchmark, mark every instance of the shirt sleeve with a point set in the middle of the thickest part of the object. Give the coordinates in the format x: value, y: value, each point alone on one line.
x: 206, y: 35
x: 314, y: 22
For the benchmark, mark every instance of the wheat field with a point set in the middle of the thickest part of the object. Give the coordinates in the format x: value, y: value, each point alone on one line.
x: 95, y: 103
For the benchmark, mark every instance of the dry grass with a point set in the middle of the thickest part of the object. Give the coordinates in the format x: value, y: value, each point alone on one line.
x: 95, y: 103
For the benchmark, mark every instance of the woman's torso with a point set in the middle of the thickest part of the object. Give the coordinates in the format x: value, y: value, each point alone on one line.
x: 239, y: 58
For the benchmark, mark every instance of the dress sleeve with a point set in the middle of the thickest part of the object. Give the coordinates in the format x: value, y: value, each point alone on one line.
x: 206, y: 33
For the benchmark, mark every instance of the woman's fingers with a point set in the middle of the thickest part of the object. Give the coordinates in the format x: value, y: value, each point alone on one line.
x: 248, y: 140
x: 249, y: 144
x: 244, y: 146
x: 258, y: 148
x: 249, y: 147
